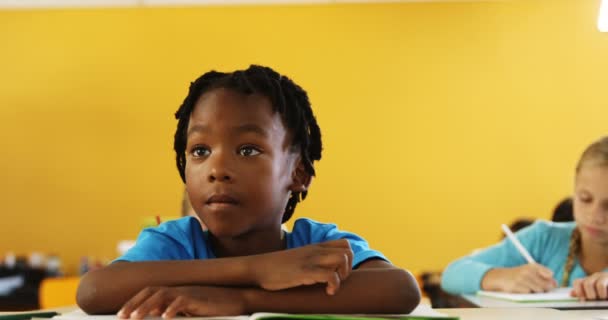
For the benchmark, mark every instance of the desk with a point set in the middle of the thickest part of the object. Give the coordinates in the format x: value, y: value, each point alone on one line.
x: 586, y: 314
x: 513, y: 314
x: 482, y: 313
x: 487, y: 302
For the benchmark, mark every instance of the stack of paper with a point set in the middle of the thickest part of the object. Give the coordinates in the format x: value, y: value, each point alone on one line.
x: 555, y: 295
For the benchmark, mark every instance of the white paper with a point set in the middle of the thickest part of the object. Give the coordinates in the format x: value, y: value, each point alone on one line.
x: 559, y: 294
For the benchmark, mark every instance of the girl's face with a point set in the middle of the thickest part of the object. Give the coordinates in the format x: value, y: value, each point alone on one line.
x: 591, y: 202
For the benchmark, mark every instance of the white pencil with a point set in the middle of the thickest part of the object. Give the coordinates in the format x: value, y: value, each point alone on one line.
x: 517, y: 244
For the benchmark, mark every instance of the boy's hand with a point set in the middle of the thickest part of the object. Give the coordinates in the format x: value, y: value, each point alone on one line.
x: 527, y: 278
x: 327, y: 262
x: 593, y: 287
x: 188, y: 300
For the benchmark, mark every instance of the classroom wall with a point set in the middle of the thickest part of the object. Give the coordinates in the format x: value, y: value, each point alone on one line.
x: 440, y: 120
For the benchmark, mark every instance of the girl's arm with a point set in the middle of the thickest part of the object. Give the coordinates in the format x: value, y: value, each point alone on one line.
x: 467, y: 274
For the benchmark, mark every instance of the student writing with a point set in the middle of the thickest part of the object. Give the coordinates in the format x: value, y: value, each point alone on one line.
x: 567, y: 254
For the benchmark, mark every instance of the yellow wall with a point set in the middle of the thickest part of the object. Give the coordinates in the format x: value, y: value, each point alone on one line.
x: 440, y: 120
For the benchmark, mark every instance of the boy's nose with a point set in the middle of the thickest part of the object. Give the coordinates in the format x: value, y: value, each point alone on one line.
x: 219, y: 171
x: 219, y: 177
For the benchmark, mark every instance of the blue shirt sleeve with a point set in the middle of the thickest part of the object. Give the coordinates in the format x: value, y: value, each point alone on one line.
x: 172, y: 240
x: 464, y: 275
x: 307, y: 231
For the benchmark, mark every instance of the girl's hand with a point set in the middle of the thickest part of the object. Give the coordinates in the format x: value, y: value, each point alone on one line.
x: 527, y: 278
x: 188, y: 300
x: 327, y: 262
x: 593, y: 287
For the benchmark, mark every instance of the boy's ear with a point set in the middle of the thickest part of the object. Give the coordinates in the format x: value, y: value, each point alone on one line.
x: 300, y: 179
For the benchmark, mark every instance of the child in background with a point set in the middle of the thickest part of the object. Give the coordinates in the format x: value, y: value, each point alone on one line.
x: 567, y: 253
x: 245, y: 144
x: 519, y: 224
x: 563, y: 212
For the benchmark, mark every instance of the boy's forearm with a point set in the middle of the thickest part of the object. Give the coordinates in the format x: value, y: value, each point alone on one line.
x: 365, y: 291
x: 107, y: 289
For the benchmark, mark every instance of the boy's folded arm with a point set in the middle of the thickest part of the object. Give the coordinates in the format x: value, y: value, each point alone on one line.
x: 107, y: 289
x: 367, y: 290
x: 376, y: 286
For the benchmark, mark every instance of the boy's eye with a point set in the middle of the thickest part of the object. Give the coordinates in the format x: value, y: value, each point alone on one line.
x: 200, y: 152
x: 248, y: 151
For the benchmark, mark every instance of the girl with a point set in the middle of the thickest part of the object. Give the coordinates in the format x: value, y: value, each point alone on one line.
x: 568, y: 254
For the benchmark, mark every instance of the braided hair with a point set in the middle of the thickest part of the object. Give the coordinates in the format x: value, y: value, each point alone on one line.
x: 287, y: 98
x: 596, y: 153
x: 573, y: 252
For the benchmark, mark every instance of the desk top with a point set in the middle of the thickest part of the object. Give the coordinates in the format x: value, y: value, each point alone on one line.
x: 483, y: 313
x: 513, y: 314
x: 487, y: 302
x: 586, y: 314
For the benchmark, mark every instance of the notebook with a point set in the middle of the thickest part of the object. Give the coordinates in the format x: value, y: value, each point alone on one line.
x: 423, y: 312
x: 27, y: 315
x: 555, y: 295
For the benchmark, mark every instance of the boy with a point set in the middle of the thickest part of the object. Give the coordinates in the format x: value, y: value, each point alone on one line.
x: 245, y: 145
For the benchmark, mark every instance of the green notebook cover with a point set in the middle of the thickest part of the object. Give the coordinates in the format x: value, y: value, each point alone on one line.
x: 27, y: 315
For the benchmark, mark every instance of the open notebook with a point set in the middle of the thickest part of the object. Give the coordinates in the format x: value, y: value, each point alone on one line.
x: 423, y: 312
x: 555, y: 295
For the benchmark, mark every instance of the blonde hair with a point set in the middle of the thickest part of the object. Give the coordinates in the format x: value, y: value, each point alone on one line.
x: 597, y: 154
x: 573, y: 252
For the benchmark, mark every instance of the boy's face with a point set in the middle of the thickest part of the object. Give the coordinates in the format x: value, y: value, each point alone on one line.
x: 239, y: 171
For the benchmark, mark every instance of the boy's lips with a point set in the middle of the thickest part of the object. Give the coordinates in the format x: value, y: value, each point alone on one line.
x: 221, y: 200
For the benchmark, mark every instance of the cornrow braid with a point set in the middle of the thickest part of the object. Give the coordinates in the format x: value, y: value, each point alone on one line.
x: 573, y: 253
x: 287, y: 98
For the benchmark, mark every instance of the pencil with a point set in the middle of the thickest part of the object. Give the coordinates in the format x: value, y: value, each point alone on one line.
x: 517, y: 244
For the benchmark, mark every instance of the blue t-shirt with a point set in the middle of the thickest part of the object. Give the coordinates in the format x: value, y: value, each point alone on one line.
x: 184, y: 239
x: 547, y: 242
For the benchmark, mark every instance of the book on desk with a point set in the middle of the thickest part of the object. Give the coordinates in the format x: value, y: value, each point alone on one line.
x: 555, y: 299
x: 421, y: 313
x: 556, y: 295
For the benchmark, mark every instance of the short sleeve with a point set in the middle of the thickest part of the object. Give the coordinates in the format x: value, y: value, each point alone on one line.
x: 307, y: 231
x: 172, y: 240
